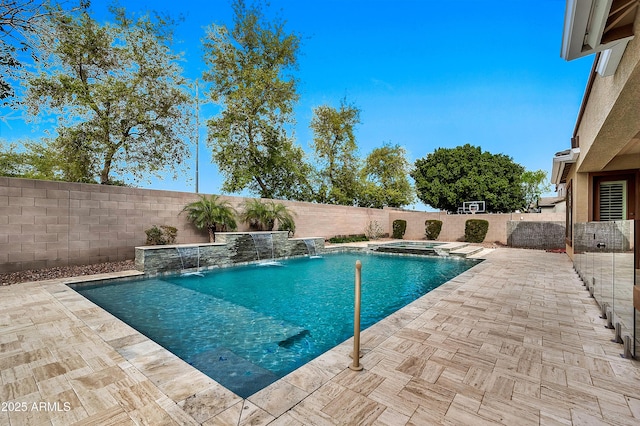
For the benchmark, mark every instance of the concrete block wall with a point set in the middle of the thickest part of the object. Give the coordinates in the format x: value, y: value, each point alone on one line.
x: 453, y: 224
x: 46, y: 224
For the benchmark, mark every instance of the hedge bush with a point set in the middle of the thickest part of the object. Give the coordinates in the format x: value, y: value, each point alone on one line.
x: 399, y: 228
x: 432, y: 228
x: 348, y: 239
x: 475, y: 230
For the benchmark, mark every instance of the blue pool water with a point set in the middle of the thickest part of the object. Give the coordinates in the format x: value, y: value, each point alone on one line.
x: 246, y: 327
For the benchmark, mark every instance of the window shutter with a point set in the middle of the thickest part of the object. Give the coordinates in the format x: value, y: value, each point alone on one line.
x: 613, y: 205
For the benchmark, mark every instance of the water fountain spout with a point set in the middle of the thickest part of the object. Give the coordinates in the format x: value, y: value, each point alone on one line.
x: 182, y: 263
x: 264, y: 241
x: 311, y: 249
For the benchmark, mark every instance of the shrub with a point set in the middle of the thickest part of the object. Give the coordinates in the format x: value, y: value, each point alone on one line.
x: 160, y: 236
x: 170, y: 233
x: 399, y: 228
x: 432, y: 228
x: 475, y: 230
x: 373, y: 231
x: 348, y: 239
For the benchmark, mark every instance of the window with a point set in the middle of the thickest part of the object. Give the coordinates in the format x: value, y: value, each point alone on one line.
x: 613, y: 200
x: 614, y: 196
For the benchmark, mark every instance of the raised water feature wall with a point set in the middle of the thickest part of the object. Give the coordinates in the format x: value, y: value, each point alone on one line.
x: 536, y: 235
x: 230, y: 248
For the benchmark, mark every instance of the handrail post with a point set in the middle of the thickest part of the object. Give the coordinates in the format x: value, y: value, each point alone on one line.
x: 356, y: 321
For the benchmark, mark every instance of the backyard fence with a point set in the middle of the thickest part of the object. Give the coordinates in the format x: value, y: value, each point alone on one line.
x: 46, y: 224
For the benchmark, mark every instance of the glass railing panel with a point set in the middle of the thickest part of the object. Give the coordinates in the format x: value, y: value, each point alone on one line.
x: 606, y: 236
x: 586, y: 240
x: 634, y: 241
x: 606, y: 255
x: 623, y: 275
x: 578, y: 260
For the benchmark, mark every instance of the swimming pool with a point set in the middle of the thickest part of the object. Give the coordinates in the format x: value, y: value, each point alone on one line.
x: 248, y: 326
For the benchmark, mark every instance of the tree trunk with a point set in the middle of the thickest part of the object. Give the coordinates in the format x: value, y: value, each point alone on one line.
x: 265, y: 193
x: 212, y: 234
x: 108, y: 158
x: 104, y: 175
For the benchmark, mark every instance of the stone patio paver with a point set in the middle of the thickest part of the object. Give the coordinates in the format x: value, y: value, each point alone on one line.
x: 515, y: 340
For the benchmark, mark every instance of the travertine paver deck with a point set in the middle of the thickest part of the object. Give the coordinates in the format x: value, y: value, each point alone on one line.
x: 516, y: 340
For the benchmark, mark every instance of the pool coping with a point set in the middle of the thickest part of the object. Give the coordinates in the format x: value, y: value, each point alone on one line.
x: 200, y: 397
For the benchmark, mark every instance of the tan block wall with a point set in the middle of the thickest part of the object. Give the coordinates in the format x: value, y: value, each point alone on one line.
x: 45, y: 224
x: 453, y: 225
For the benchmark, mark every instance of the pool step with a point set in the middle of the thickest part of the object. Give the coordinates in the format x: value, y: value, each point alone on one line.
x: 449, y: 247
x: 466, y: 251
x: 459, y: 249
x: 213, y: 319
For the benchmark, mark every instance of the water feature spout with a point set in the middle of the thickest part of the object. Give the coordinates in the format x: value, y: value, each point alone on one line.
x: 182, y: 263
x: 264, y: 242
x: 311, y: 249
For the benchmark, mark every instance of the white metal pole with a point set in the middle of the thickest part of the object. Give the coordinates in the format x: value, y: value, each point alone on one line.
x: 197, y: 137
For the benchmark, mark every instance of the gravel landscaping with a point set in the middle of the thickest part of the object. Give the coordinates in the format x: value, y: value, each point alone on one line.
x: 65, y: 272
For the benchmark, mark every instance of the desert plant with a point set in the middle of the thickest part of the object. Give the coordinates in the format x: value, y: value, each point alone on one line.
x: 161, y: 235
x: 399, y: 228
x: 373, y: 231
x: 475, y: 230
x: 211, y: 213
x: 432, y: 228
x: 170, y: 233
x: 262, y: 216
x: 154, y: 236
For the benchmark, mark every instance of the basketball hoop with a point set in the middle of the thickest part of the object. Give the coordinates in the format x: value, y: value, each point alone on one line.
x: 473, y: 207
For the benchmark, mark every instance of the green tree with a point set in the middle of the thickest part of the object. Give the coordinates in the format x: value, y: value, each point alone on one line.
x: 30, y: 160
x: 50, y: 159
x: 385, y: 178
x: 334, y: 144
x: 450, y: 176
x: 534, y: 183
x: 21, y: 22
x: 249, y: 72
x: 118, y: 91
x: 262, y: 216
x: 211, y: 214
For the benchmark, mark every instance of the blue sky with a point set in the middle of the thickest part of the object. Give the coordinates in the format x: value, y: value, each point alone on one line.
x: 426, y: 74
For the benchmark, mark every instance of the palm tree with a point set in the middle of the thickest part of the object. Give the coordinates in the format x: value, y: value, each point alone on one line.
x: 263, y: 216
x: 212, y: 214
x: 284, y: 217
x: 255, y: 214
